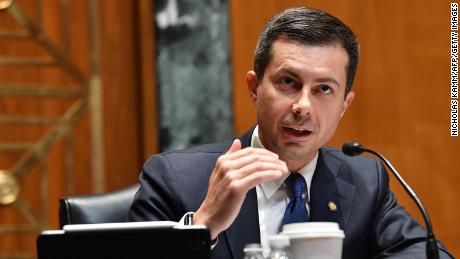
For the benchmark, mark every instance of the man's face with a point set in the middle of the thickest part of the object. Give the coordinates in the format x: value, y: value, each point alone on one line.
x: 300, y: 99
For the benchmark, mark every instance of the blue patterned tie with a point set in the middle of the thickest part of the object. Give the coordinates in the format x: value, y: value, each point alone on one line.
x: 296, y: 210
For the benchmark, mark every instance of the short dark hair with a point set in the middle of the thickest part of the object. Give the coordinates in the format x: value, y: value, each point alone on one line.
x: 312, y: 27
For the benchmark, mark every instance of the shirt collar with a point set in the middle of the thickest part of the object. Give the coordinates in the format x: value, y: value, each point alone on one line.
x: 270, y: 187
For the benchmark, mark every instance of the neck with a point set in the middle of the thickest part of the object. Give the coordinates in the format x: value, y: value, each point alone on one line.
x: 296, y: 165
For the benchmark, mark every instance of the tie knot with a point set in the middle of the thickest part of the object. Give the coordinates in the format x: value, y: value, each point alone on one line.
x: 296, y: 184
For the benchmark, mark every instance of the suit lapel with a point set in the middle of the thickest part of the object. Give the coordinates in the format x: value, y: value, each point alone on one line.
x: 327, y: 190
x: 245, y: 228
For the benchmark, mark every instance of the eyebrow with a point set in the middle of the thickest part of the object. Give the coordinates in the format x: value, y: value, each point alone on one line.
x: 327, y: 80
x: 319, y: 80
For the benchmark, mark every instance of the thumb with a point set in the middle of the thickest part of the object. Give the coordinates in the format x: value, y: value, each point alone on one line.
x: 236, y: 145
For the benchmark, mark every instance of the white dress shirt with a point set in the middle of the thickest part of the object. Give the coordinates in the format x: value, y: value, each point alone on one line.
x: 273, y: 197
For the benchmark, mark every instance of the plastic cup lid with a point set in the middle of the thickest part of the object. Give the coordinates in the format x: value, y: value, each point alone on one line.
x: 312, y: 229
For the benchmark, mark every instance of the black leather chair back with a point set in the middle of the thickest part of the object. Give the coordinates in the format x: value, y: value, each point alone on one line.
x: 98, y: 208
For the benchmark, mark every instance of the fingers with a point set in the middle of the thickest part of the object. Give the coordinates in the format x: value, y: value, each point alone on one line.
x: 236, y: 145
x: 252, y: 172
x: 235, y: 154
x: 257, y: 162
x: 242, y: 169
x: 241, y: 162
x: 259, y: 166
x: 253, y: 179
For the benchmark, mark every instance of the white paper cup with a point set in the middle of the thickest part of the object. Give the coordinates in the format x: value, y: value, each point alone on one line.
x: 315, y: 240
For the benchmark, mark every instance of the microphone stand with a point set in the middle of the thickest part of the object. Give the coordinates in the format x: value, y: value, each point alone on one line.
x: 431, y: 244
x: 352, y: 148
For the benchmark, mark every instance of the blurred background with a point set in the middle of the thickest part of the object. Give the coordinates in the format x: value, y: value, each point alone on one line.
x: 89, y: 89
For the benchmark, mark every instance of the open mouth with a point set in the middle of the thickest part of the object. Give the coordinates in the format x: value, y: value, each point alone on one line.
x: 297, y: 132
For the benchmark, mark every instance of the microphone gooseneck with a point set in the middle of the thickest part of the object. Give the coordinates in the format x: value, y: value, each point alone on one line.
x: 353, y: 148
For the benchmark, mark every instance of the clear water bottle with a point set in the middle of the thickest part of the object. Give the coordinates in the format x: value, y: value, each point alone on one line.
x: 279, y: 247
x: 253, y: 251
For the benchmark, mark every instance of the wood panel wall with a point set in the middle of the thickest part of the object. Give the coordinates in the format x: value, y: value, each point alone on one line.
x: 123, y: 61
x: 402, y: 107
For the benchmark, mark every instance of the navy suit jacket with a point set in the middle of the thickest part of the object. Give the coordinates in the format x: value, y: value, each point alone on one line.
x: 375, y: 226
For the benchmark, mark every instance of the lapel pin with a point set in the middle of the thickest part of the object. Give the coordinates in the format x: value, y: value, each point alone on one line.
x: 332, y: 206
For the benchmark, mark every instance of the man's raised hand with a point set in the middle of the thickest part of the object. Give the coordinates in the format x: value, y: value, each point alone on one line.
x: 235, y: 173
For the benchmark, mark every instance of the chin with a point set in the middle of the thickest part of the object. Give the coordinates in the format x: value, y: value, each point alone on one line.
x: 293, y: 153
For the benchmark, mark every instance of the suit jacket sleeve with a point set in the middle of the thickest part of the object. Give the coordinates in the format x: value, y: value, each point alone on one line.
x: 157, y: 198
x: 174, y: 183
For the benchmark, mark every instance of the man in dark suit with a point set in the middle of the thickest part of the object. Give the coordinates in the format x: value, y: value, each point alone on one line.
x: 304, y: 66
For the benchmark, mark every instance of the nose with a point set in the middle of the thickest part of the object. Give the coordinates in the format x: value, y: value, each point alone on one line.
x: 302, y: 104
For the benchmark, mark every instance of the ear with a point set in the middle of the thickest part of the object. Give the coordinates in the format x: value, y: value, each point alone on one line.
x: 347, y: 102
x: 253, y: 82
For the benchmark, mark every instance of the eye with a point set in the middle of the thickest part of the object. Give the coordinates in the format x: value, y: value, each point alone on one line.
x: 325, y: 89
x: 287, y: 81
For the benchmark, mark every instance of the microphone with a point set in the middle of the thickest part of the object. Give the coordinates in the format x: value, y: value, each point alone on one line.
x: 353, y: 148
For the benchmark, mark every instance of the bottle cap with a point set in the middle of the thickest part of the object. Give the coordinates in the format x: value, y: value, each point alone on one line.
x: 253, y: 247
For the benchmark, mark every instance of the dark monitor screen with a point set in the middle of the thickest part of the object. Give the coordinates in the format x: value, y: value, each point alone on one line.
x: 125, y: 240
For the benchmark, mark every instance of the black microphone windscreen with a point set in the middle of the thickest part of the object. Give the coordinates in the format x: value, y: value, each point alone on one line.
x: 352, y: 148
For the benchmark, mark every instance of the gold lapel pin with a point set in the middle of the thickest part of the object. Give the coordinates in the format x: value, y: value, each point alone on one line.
x: 332, y: 206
